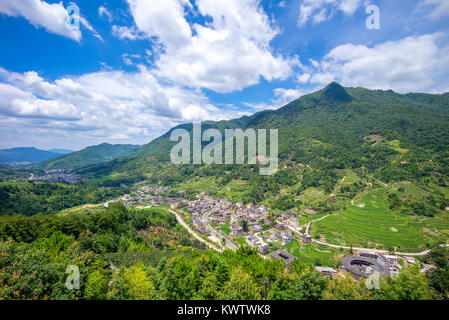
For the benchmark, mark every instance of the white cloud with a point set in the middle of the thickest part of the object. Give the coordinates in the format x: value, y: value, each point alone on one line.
x: 410, y: 64
x: 104, y: 12
x: 123, y: 32
x: 21, y: 104
x: 322, y: 10
x: 435, y: 8
x: 282, y: 96
x: 96, y: 107
x: 128, y: 58
x: 52, y: 17
x: 230, y: 52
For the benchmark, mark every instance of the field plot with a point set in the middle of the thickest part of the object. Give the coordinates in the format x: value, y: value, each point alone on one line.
x: 315, y: 254
x: 369, y: 223
x: 195, y: 187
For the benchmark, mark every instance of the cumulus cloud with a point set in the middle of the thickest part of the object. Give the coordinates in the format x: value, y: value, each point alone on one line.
x: 229, y: 52
x: 411, y: 64
x: 52, y: 17
x: 107, y: 105
x: 321, y: 10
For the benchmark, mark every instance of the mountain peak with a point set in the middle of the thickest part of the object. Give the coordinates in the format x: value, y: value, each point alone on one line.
x: 335, y: 92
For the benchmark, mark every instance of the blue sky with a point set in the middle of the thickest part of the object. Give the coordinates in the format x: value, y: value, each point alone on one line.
x: 135, y: 68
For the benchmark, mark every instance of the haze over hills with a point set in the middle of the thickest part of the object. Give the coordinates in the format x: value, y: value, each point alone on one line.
x: 26, y: 155
x: 88, y: 156
x: 61, y: 151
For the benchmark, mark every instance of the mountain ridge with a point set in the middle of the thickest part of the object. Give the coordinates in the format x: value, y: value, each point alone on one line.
x: 328, y: 127
x: 88, y: 156
x: 25, y: 155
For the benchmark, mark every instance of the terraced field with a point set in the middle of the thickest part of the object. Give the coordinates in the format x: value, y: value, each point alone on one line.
x: 372, y: 224
x: 314, y: 253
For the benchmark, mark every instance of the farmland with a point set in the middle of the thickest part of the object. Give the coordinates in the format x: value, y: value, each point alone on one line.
x: 370, y: 223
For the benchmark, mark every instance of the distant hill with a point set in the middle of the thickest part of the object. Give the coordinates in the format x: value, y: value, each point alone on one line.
x: 88, y: 156
x: 61, y: 151
x: 25, y: 155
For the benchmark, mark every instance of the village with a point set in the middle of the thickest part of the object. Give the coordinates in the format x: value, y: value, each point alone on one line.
x: 229, y: 225
x: 56, y: 176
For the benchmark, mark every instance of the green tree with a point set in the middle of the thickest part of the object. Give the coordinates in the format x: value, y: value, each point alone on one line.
x: 411, y: 284
x: 132, y: 283
x: 345, y: 288
x: 240, y: 287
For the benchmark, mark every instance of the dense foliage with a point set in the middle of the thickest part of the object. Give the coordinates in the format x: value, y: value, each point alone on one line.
x: 32, y: 198
x: 119, y: 257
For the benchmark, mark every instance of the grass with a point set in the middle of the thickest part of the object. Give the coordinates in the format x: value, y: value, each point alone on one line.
x: 206, y: 184
x: 371, y: 226
x: 241, y: 241
x: 314, y: 253
x: 234, y: 190
x: 226, y: 229
x: 395, y: 145
x: 350, y: 177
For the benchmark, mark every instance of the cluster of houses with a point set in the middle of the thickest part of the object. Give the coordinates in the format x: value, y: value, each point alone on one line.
x: 155, y: 190
x: 255, y: 242
x: 261, y: 227
x: 57, y: 176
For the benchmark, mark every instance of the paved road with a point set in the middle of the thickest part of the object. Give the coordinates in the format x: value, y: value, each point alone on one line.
x: 375, y: 250
x: 185, y: 225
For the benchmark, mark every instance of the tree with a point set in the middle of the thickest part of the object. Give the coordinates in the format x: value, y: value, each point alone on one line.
x: 244, y: 225
x: 439, y: 281
x: 345, y: 288
x: 439, y: 255
x: 96, y: 287
x: 309, y: 286
x: 221, y: 273
x: 240, y: 287
x: 411, y: 284
x: 132, y: 284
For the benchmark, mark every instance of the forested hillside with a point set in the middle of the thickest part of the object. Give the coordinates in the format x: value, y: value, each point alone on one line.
x: 88, y: 156
x: 31, y: 198
x: 383, y: 135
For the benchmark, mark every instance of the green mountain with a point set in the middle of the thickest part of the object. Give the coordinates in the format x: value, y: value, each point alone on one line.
x: 25, y: 155
x: 88, y: 156
x: 336, y: 127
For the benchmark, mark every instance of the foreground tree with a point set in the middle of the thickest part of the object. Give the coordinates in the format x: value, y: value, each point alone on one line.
x: 345, y: 288
x: 411, y: 284
x: 240, y: 287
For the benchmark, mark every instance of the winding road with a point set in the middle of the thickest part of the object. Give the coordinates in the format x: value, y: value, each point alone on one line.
x: 193, y: 233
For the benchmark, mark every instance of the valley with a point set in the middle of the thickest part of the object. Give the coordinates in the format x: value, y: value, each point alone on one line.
x: 376, y: 191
